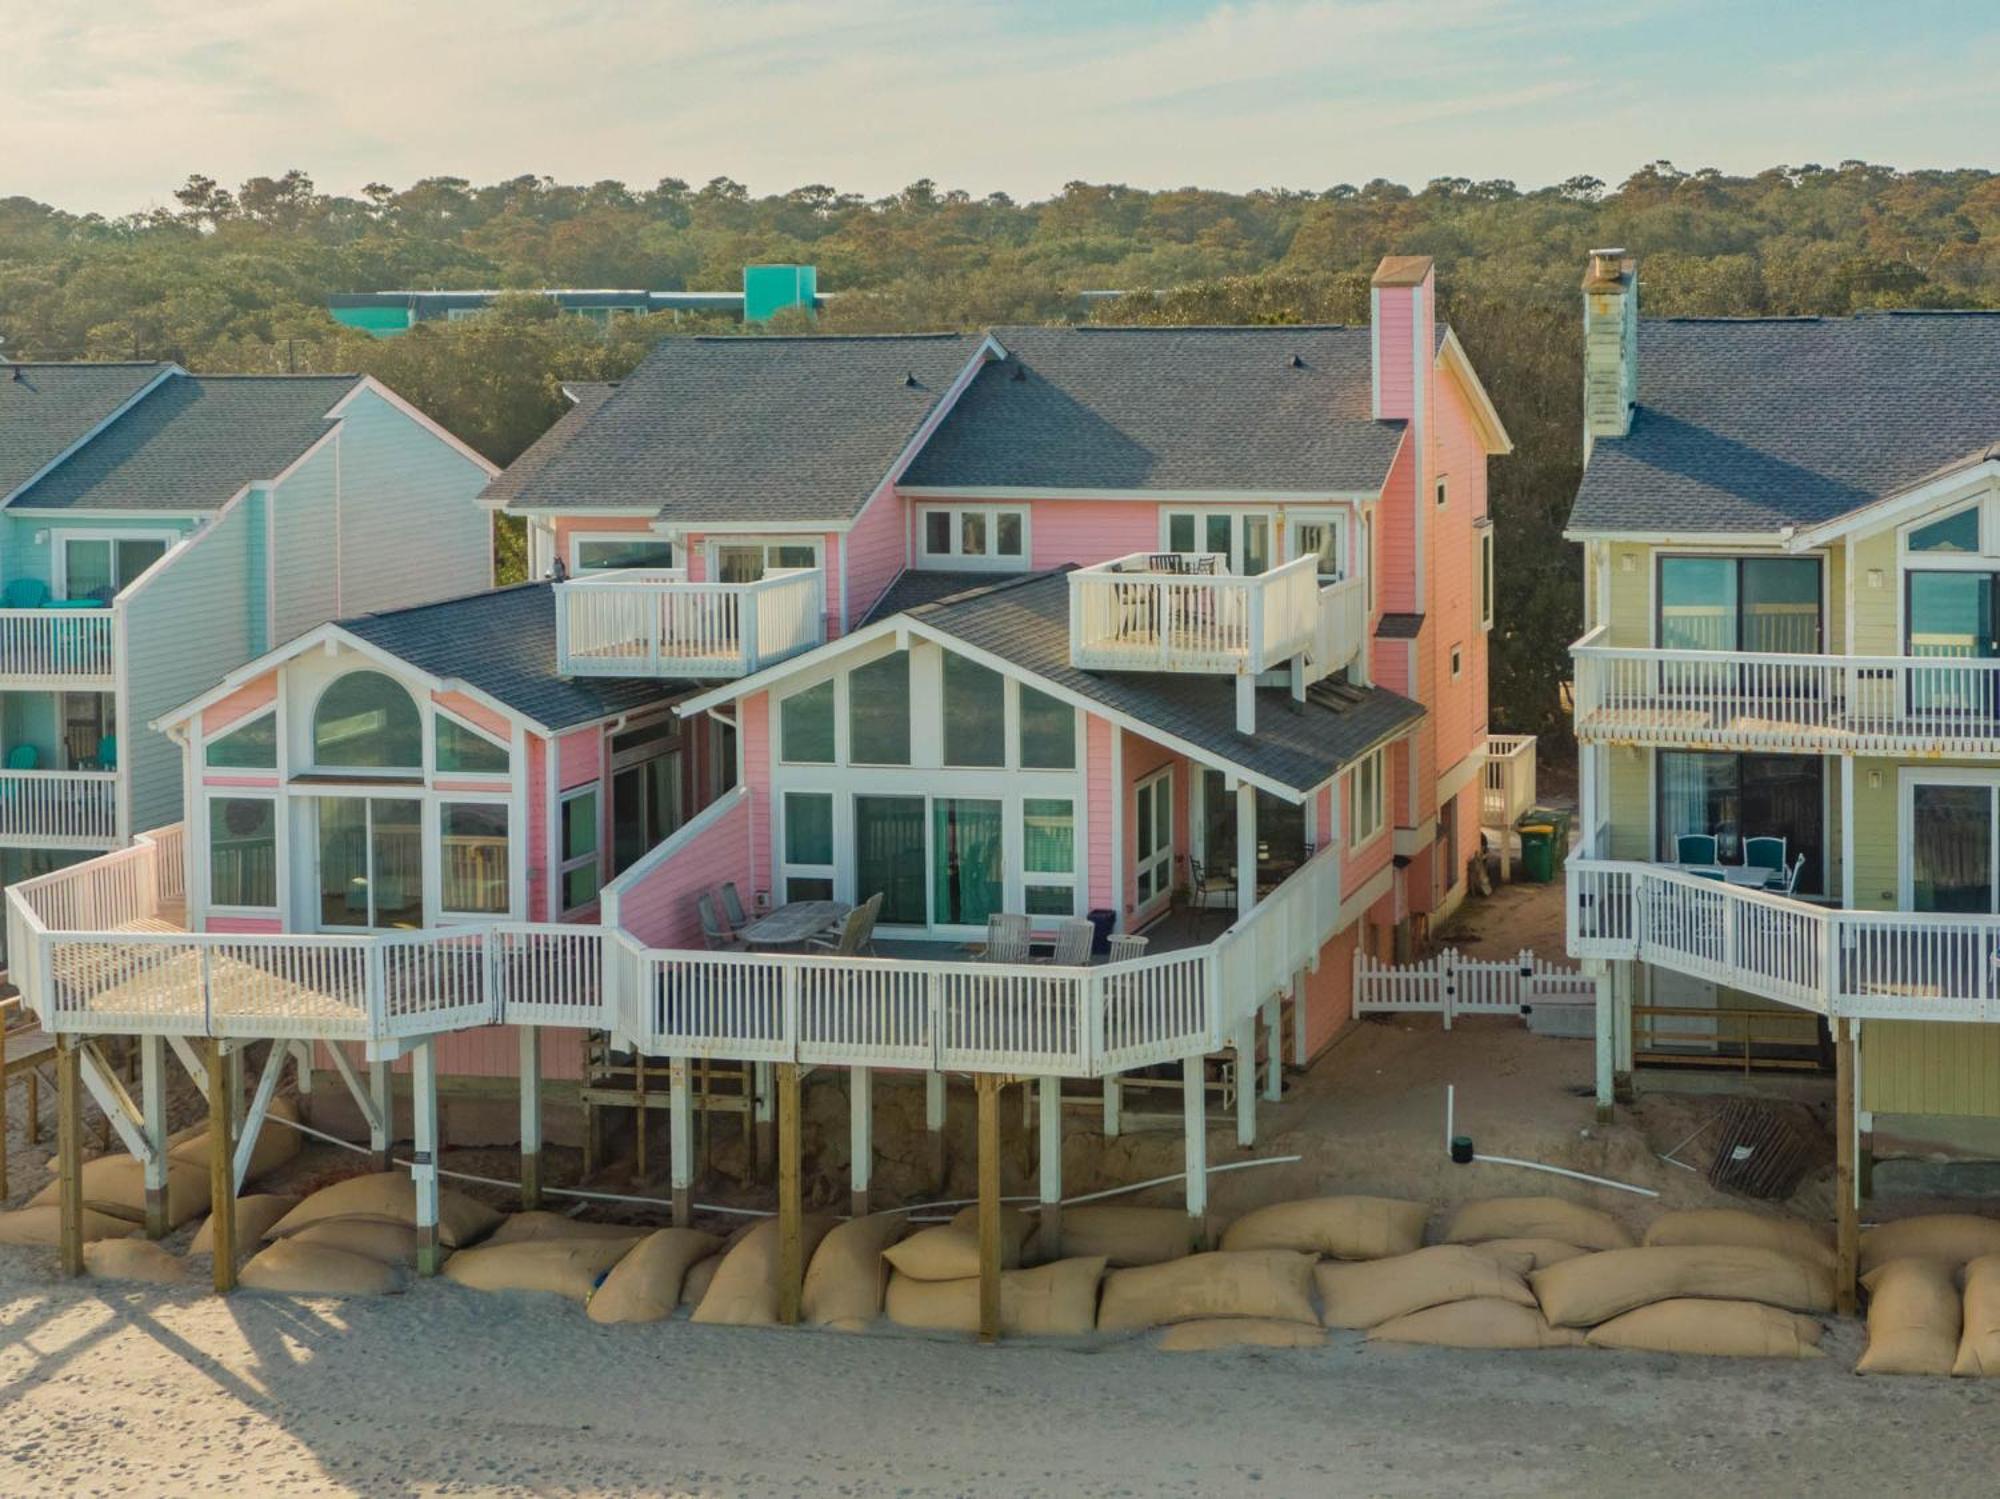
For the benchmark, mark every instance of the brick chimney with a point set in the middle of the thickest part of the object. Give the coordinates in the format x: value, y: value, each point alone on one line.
x: 1610, y: 345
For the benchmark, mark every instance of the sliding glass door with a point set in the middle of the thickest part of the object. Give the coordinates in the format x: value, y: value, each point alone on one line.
x: 889, y: 856
x: 966, y: 866
x: 1950, y: 842
x: 1734, y: 797
x: 1763, y: 605
x: 371, y: 861
x: 1951, y: 616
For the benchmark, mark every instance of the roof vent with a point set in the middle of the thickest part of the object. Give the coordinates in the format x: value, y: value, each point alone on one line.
x: 1297, y: 363
x: 910, y: 379
x: 1018, y: 374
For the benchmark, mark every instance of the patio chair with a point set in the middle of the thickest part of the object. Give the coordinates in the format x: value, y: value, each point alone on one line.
x: 1785, y: 881
x: 1764, y: 852
x: 1695, y: 848
x: 714, y: 934
x: 1125, y: 948
x: 857, y: 932
x: 1006, y: 938
x: 1204, y: 885
x: 107, y: 752
x: 24, y: 757
x: 1166, y: 562
x: 26, y: 593
x: 732, y: 906
x: 1074, y: 936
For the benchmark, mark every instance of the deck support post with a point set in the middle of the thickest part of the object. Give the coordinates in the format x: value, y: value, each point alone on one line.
x: 1274, y: 1048
x: 934, y: 1116
x: 153, y: 1122
x: 861, y: 1137
x: 531, y: 1117
x: 988, y: 1086
x: 1606, y: 1042
x: 424, y: 1164
x: 1625, y: 974
x: 69, y: 1151
x: 1847, y: 1206
x: 791, y: 1242
x: 382, y: 1129
x: 1114, y: 1099
x: 680, y: 1141
x: 1194, y: 1121
x: 761, y: 1085
x: 1048, y: 1094
x: 1246, y: 1081
x: 221, y: 1166
x: 302, y: 1075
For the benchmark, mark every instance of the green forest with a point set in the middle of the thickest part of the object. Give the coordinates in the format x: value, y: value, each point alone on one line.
x: 238, y: 280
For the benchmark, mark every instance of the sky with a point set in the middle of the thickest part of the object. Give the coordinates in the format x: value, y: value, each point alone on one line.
x: 109, y: 106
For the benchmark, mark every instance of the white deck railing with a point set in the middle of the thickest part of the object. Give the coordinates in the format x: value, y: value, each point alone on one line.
x: 1866, y: 965
x: 1816, y: 704
x: 1507, y: 781
x: 59, y: 808
x: 650, y: 622
x: 1125, y: 617
x: 66, y: 644
x: 1341, y: 628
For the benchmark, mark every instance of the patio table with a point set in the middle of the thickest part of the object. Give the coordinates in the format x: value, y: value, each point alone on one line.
x: 794, y: 922
x: 1735, y: 874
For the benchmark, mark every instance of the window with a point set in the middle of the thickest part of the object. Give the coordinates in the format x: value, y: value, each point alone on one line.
x: 975, y: 713
x: 462, y: 749
x: 1950, y: 615
x: 596, y: 554
x: 1368, y: 559
x: 808, y: 871
x: 1153, y: 838
x: 1323, y: 537
x: 1048, y: 856
x: 1441, y: 494
x: 1734, y: 797
x: 1486, y: 577
x: 366, y: 721
x: 101, y: 567
x: 1242, y: 539
x: 645, y: 804
x: 249, y: 746
x: 966, y: 880
x: 889, y: 855
x: 1457, y: 662
x: 1761, y: 604
x: 579, y: 871
x: 1281, y: 831
x: 473, y: 837
x: 805, y: 726
x: 878, y: 711
x: 747, y: 561
x: 976, y: 536
x: 1366, y: 798
x: 1955, y: 533
x: 243, y: 851
x: 1048, y: 732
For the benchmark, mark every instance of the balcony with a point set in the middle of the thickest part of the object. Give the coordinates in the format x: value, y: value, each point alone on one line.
x: 1924, y: 705
x: 653, y: 622
x: 1154, y: 611
x: 58, y: 808
x: 61, y: 646
x: 1507, y: 780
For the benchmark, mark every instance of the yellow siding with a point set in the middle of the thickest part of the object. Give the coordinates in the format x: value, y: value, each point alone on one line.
x: 1919, y: 1067
x: 1631, y: 614
x: 1877, y: 631
x: 1630, y: 802
x: 1875, y: 841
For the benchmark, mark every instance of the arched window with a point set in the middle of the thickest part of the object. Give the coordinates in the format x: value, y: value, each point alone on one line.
x: 366, y: 720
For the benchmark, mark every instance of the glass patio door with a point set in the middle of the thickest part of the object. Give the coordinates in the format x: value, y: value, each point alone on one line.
x: 966, y: 864
x: 99, y: 567
x: 1951, y: 616
x: 1153, y: 837
x: 1951, y: 849
x: 371, y: 861
x: 1245, y: 540
x: 889, y: 856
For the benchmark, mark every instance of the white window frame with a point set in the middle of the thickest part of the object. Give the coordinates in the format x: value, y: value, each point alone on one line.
x: 1366, y: 823
x: 498, y: 777
x: 711, y: 547
x: 1908, y: 778
x: 1044, y: 879
x: 59, y: 541
x: 577, y: 538
x: 787, y: 871
x: 1486, y: 579
x: 209, y: 742
x: 486, y: 799
x: 1442, y: 493
x: 564, y: 863
x: 955, y: 559
x: 1274, y: 533
x: 211, y: 795
x: 1457, y: 660
x: 1160, y: 786
x: 1343, y: 523
x: 389, y: 775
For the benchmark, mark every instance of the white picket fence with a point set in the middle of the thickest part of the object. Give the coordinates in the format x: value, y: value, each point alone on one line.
x: 1451, y: 984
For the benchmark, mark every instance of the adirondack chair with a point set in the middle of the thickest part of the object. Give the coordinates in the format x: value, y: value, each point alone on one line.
x: 1074, y: 936
x: 717, y: 937
x: 732, y: 907
x: 26, y: 593
x: 1006, y: 938
x: 857, y: 933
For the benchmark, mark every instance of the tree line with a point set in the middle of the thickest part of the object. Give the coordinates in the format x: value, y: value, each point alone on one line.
x: 238, y: 280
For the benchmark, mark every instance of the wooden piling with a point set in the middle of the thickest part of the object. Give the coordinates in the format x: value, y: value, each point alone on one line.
x: 531, y: 1117
x: 222, y: 1165
x: 791, y: 1244
x: 1847, y: 1212
x: 988, y: 1086
x: 69, y: 1151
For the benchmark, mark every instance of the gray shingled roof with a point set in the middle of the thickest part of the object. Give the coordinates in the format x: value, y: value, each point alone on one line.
x: 46, y: 408
x: 1167, y: 409
x: 1753, y: 424
x: 192, y: 443
x: 585, y: 397
x: 914, y: 586
x: 752, y: 428
x: 503, y: 642
x: 1026, y: 621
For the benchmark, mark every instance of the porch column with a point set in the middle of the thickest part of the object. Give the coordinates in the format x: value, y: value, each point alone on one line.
x: 760, y: 1086
x: 1246, y: 848
x: 680, y: 1141
x: 791, y: 1245
x: 1625, y: 977
x: 424, y: 1156
x: 153, y: 1121
x: 1048, y: 1094
x: 988, y: 1086
x: 69, y: 1151
x: 531, y: 1117
x: 1246, y: 1030
x: 1847, y: 1204
x: 302, y: 1075
x: 861, y: 1137
x: 1274, y: 1048
x: 1606, y: 1042
x: 382, y: 1132
x: 1114, y: 1098
x: 1847, y: 769
x: 1194, y: 1124
x: 934, y: 1102
x: 221, y: 1166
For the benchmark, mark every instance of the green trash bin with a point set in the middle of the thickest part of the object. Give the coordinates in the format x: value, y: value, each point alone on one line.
x: 1538, y: 850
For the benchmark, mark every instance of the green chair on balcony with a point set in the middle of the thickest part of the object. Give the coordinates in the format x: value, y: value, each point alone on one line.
x: 26, y: 593
x: 1695, y: 848
x: 1764, y: 852
x: 24, y: 757
x: 107, y: 752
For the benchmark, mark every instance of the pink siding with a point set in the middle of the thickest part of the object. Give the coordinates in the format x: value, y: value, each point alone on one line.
x: 659, y: 909
x: 1329, y: 993
x: 1142, y: 758
x: 876, y: 550
x: 1088, y: 531
x: 1097, y: 791
x: 475, y: 712
x: 1458, y: 709
x: 1396, y: 377
x: 580, y: 758
x: 568, y: 525
x: 753, y: 731
x: 238, y: 778
x: 541, y: 877
x: 252, y: 924
x: 495, y: 1051
x: 1395, y: 537
x: 240, y: 704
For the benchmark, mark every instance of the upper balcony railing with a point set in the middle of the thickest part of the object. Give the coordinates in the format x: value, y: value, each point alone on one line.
x: 652, y: 622
x: 1507, y: 781
x: 1155, y: 611
x: 65, y: 645
x: 1776, y: 702
x: 59, y: 808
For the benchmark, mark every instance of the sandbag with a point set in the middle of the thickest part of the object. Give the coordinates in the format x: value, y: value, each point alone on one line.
x: 1597, y: 1287
x: 133, y: 1259
x: 42, y: 1226
x: 1127, y: 1236
x: 1345, y: 1228
x: 565, y: 1267
x: 1956, y: 1238
x: 1238, y: 1332
x: 700, y: 1275
x: 1914, y: 1318
x: 1365, y: 1294
x: 116, y: 1186
x: 391, y: 1197
x: 1264, y: 1283
x: 1726, y: 1329
x: 950, y: 1251
x: 1979, y: 1345
x: 315, y: 1270
x: 539, y: 1227
x: 645, y: 1286
x: 1791, y: 1236
x: 276, y: 1145
x: 254, y: 1216
x: 1536, y: 1218
x: 1482, y: 1322
x: 391, y: 1243
x: 1540, y: 1252
x: 1056, y: 1300
x: 744, y: 1292
x: 845, y: 1280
